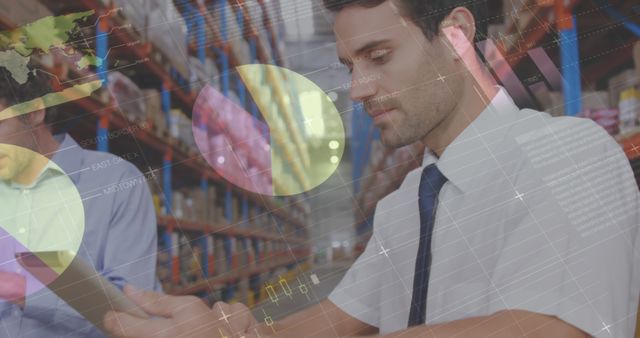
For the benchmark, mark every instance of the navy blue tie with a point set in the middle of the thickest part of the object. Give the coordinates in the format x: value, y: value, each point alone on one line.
x: 431, y: 182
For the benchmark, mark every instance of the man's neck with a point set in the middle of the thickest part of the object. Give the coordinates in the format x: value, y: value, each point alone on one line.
x: 32, y: 172
x: 48, y: 144
x: 47, y: 147
x: 478, y: 92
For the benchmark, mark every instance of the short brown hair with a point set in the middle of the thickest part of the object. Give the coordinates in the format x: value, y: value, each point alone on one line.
x: 426, y: 14
x: 38, y: 84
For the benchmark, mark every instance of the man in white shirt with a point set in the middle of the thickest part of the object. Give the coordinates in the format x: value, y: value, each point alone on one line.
x: 516, y: 224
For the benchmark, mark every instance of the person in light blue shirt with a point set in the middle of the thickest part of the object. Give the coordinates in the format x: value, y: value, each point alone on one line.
x: 114, y: 227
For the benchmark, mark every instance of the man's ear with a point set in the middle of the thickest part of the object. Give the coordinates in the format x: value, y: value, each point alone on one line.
x: 459, y: 30
x: 34, y: 118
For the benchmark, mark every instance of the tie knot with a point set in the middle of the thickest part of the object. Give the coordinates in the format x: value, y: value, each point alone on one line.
x: 432, y: 179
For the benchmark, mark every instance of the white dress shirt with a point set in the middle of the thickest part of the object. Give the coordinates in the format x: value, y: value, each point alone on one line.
x: 538, y: 214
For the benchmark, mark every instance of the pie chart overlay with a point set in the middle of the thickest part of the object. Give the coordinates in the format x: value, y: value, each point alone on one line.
x: 292, y: 143
x: 35, y: 218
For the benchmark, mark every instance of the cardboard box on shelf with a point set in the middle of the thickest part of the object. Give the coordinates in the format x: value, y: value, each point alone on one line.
x: 243, y: 253
x: 235, y: 210
x: 620, y: 83
x: 636, y: 59
x: 136, y: 13
x: 174, y: 123
x: 243, y: 290
x: 241, y: 50
x: 596, y: 100
x: 251, y: 254
x: 211, y: 205
x: 273, y: 12
x: 199, y: 204
x: 185, y: 133
x: 211, y: 259
x: 168, y: 33
x: 222, y: 264
x: 233, y: 30
x: 255, y: 12
x: 189, y: 207
x: 155, y: 115
x: 20, y: 13
x: 629, y: 107
x: 178, y: 204
x: 553, y: 102
x: 212, y: 72
x: 190, y: 260
x: 128, y: 96
x: 220, y: 216
x: 197, y: 71
x: 517, y: 12
x: 607, y: 118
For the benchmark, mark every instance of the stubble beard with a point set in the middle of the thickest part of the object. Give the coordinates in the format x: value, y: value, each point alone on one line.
x: 17, y: 164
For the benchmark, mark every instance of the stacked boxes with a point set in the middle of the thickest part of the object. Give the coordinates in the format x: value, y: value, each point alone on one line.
x: 629, y: 107
x: 23, y: 12
x: 164, y: 271
x: 154, y: 114
x: 211, y: 209
x: 168, y: 32
x: 158, y: 22
x: 191, y: 257
x: 221, y: 261
x: 181, y: 129
x: 621, y: 82
x: 636, y: 59
x: 235, y: 36
x: 128, y: 96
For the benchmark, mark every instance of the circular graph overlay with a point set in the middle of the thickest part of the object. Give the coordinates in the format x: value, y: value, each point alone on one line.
x: 40, y: 212
x: 290, y: 144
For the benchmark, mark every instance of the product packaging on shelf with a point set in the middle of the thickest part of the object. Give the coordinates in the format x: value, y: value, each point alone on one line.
x: 213, y: 74
x: 128, y: 96
x: 221, y: 256
x: 553, y: 102
x: 197, y: 71
x: 136, y: 14
x: 211, y: 206
x: 190, y: 261
x: 199, y: 204
x: 167, y: 31
x: 621, y: 82
x: 233, y: 29
x: 607, y: 118
x: 20, y: 13
x: 629, y: 110
x: 636, y: 60
x: 154, y: 114
x: 178, y: 205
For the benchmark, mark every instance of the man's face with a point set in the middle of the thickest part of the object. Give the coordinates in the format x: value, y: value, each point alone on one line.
x: 16, y: 142
x: 397, y: 73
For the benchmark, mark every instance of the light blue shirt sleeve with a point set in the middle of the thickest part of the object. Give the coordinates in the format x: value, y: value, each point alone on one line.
x: 130, y: 256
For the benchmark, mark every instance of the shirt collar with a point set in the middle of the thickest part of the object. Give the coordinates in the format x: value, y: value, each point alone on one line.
x: 462, y: 159
x: 69, y: 157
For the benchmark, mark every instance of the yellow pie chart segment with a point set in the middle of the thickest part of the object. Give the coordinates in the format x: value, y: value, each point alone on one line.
x: 305, y: 128
x: 42, y: 216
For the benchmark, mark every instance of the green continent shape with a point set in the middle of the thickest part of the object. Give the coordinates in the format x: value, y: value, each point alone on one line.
x: 89, y: 60
x: 43, y: 34
x: 16, y: 64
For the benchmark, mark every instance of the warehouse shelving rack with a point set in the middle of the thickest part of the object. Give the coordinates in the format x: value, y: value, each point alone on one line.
x: 111, y: 30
